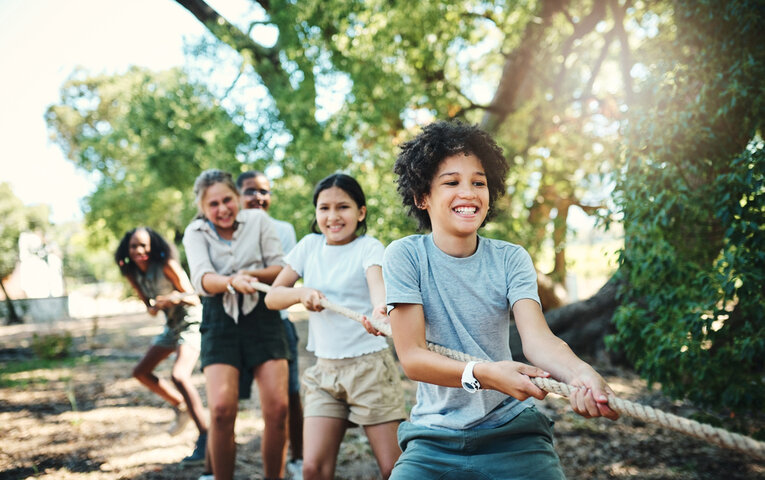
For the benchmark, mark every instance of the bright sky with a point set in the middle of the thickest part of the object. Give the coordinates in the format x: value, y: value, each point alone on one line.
x: 41, y: 42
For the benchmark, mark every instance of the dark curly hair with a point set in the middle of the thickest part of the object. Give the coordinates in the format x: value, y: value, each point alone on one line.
x: 420, y: 157
x: 161, y: 251
x: 350, y: 186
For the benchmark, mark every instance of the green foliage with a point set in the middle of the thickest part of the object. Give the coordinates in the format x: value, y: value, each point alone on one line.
x: 355, y: 79
x: 9, y: 370
x: 145, y: 137
x: 693, y: 197
x: 52, y: 346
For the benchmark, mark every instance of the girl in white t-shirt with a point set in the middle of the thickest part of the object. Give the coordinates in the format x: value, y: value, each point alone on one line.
x: 355, y: 380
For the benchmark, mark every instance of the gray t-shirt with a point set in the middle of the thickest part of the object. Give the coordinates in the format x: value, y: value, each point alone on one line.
x: 467, y: 303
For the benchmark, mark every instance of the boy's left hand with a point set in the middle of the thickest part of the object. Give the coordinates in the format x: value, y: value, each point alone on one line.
x: 590, y: 399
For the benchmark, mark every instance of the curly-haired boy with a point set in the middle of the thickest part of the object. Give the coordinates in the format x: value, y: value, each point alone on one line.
x: 456, y: 288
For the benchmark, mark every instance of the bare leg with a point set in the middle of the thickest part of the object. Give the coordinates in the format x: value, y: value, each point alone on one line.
x: 323, y: 436
x: 185, y: 360
x: 222, y: 397
x: 272, y: 386
x: 144, y: 373
x: 384, y: 443
x: 296, y: 426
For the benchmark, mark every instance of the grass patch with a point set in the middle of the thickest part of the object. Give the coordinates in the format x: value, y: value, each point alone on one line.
x: 9, y: 369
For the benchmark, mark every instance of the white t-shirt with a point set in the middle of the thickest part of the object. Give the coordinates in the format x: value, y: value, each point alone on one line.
x: 339, y: 272
x: 286, y: 233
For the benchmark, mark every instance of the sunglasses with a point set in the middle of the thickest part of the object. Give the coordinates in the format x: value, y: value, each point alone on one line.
x: 250, y: 192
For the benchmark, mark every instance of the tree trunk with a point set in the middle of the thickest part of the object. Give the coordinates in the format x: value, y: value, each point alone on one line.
x: 13, y: 317
x: 583, y: 325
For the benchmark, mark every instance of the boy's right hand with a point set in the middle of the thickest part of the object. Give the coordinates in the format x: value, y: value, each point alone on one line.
x: 511, y: 378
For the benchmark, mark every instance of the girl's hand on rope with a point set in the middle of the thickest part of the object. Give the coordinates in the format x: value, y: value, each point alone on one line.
x: 590, y: 398
x: 163, y: 302
x: 380, y: 315
x: 511, y: 378
x: 311, y: 299
x: 242, y: 282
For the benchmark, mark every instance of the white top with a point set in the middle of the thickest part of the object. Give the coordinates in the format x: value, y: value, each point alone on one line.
x: 339, y: 272
x: 254, y: 245
x: 287, y: 236
x: 286, y: 233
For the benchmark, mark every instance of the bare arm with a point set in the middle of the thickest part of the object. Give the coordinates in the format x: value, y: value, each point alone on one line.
x: 549, y: 352
x: 181, y: 283
x: 264, y: 275
x: 283, y: 294
x: 215, y: 283
x: 376, y: 287
x: 420, y: 364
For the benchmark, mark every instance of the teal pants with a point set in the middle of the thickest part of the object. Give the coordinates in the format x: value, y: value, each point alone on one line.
x: 520, y: 449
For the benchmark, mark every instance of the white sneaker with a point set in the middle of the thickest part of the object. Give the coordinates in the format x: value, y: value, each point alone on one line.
x: 182, y: 418
x: 206, y: 476
x: 295, y: 469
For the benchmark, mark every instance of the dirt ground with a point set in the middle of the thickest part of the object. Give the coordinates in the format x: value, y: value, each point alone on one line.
x: 91, y: 420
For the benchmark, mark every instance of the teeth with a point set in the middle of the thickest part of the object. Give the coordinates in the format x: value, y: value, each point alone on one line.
x: 465, y: 209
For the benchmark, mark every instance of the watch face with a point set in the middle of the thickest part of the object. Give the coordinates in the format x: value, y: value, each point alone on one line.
x: 470, y: 387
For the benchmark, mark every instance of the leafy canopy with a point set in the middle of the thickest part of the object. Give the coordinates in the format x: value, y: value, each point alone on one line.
x: 693, y: 197
x: 145, y: 137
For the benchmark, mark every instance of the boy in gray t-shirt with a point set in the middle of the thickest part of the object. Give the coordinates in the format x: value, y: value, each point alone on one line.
x: 455, y: 288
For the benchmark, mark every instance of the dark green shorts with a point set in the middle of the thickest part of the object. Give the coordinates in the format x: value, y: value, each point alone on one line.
x: 257, y: 337
x: 521, y: 449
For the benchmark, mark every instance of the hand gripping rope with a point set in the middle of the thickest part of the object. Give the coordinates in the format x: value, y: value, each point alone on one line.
x: 717, y: 436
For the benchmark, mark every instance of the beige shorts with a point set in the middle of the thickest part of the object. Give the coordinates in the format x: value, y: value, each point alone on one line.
x: 365, y: 390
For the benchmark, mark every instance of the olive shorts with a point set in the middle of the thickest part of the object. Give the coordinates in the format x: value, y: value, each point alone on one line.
x: 366, y: 390
x: 521, y: 449
x: 257, y: 337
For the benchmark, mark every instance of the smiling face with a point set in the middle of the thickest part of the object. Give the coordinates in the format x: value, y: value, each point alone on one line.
x: 458, y: 201
x: 256, y: 192
x: 338, y: 216
x: 220, y: 205
x: 139, y: 249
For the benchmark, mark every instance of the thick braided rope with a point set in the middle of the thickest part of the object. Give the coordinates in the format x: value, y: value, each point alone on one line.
x: 717, y: 436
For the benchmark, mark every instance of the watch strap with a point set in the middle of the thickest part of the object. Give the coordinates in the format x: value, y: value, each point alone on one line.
x: 469, y: 382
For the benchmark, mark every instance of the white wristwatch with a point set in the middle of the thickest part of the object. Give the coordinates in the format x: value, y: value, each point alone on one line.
x: 469, y: 382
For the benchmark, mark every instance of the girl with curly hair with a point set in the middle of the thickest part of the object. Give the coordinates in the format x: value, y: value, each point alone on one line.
x: 148, y: 262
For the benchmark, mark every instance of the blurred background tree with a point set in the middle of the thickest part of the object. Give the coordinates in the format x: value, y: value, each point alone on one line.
x: 16, y: 218
x: 144, y: 136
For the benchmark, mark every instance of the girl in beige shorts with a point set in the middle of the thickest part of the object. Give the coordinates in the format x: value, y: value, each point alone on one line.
x: 355, y: 379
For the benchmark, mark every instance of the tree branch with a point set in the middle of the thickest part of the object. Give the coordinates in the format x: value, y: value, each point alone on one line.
x: 264, y: 60
x: 625, y: 56
x: 607, y: 39
x: 517, y: 66
x: 584, y: 27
